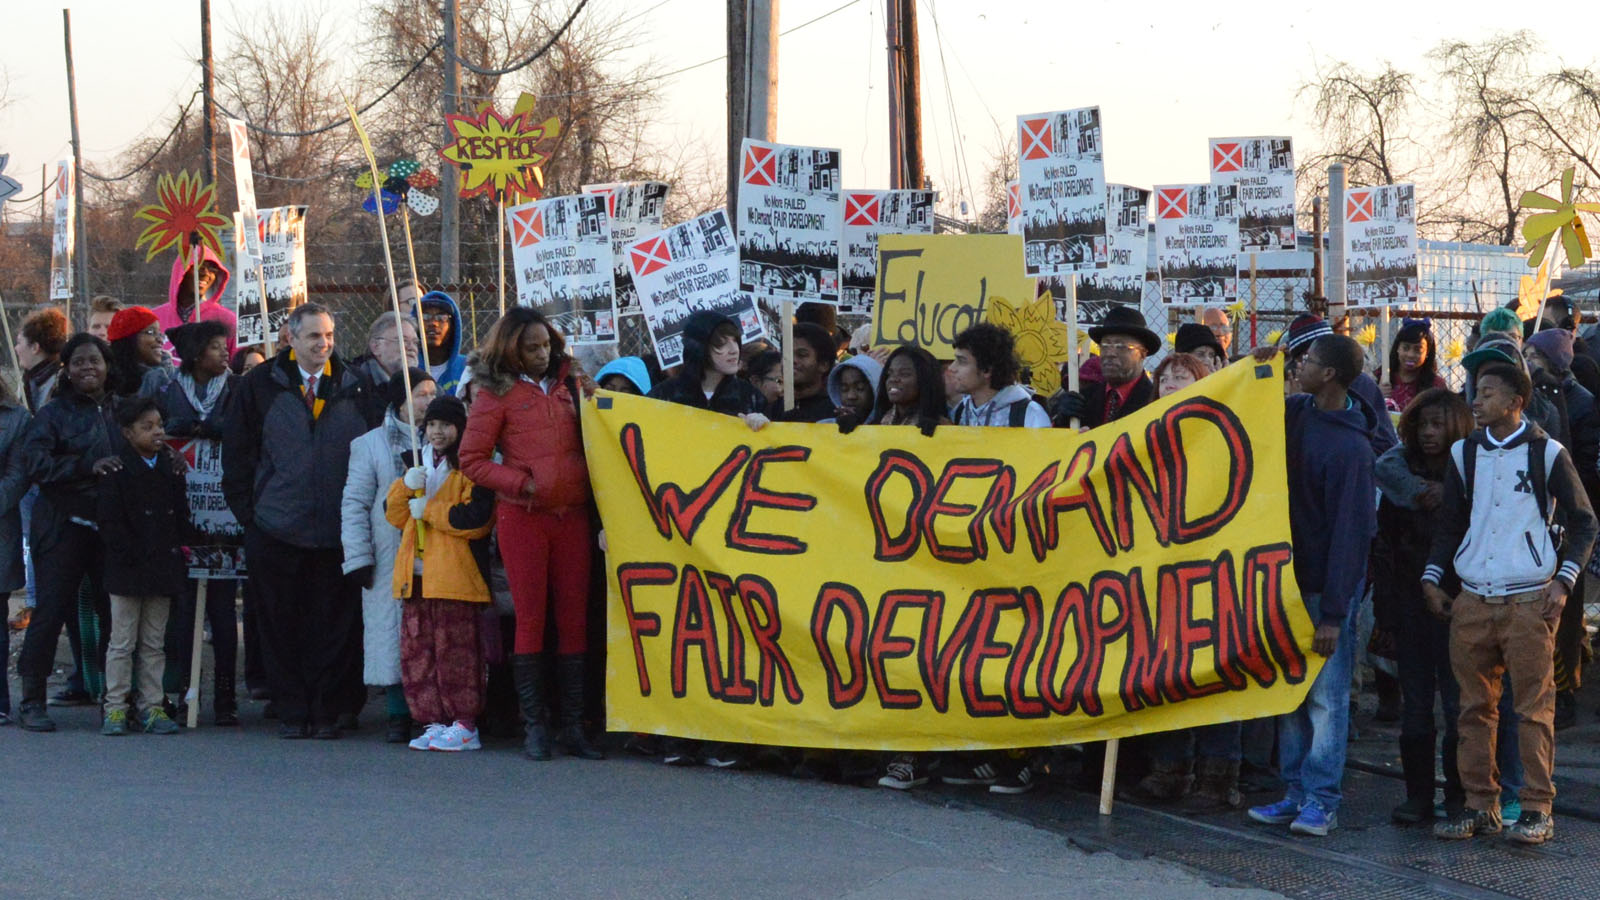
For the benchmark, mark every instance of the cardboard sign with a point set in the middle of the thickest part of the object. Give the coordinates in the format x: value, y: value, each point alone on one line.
x: 1262, y: 168
x: 1128, y: 261
x: 982, y: 588
x: 637, y: 210
x: 498, y: 155
x: 1062, y: 186
x: 789, y: 223
x: 561, y: 254
x: 281, y: 231
x: 1197, y: 243
x: 245, y: 186
x: 222, y: 553
x: 868, y: 215
x: 1380, y: 245
x: 687, y: 268
x: 63, y: 237
x: 932, y: 287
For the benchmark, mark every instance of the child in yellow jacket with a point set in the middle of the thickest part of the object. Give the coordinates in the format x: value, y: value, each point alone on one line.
x: 441, y: 582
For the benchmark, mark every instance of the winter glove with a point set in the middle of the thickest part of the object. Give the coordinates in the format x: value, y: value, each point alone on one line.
x: 416, y: 478
x: 418, y: 505
x: 1066, y: 406
x: 362, y: 577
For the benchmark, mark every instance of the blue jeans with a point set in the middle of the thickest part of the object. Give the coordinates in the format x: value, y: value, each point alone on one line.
x: 1311, y: 740
x: 27, y: 557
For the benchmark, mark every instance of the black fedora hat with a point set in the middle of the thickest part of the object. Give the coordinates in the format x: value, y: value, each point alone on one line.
x: 1129, y: 321
x: 1192, y: 336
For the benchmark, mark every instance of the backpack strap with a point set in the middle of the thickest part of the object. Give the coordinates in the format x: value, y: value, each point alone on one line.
x: 1542, y: 453
x: 1466, y: 458
x: 1019, y: 412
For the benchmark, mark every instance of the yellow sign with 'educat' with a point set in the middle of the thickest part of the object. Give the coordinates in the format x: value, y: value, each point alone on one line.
x: 932, y: 287
x: 977, y: 588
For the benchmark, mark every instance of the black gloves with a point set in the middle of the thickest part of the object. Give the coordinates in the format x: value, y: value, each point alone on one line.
x: 1067, y: 405
x: 362, y: 577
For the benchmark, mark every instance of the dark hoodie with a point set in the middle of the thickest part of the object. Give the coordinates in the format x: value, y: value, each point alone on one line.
x: 210, y: 308
x: 446, y: 374
x: 1331, y: 499
x: 733, y: 396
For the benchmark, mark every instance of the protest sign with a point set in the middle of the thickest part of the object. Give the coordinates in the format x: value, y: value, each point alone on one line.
x: 932, y: 287
x: 1262, y: 168
x: 221, y: 553
x: 1380, y: 240
x: 1062, y: 188
x: 282, y: 233
x: 185, y: 208
x: 245, y: 187
x: 63, y: 238
x: 561, y: 254
x: 499, y: 156
x: 869, y: 215
x: 1197, y: 243
x: 789, y: 223
x: 1128, y: 259
x: 983, y: 588
x: 8, y: 186
x: 1041, y: 338
x: 690, y: 267
x: 636, y: 210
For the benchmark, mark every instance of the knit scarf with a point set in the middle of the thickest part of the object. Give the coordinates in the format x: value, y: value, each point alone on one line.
x: 202, y: 399
x: 398, y: 434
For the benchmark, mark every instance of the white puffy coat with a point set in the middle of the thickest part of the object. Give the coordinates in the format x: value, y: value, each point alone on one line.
x: 369, y: 540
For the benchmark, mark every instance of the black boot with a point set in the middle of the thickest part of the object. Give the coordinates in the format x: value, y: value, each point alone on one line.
x: 31, y: 714
x: 399, y: 730
x: 1416, y: 762
x: 224, y: 706
x: 571, y: 737
x: 527, y: 669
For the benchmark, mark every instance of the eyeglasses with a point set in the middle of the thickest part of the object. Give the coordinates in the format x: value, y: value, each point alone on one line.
x: 1120, y: 346
x: 437, y: 318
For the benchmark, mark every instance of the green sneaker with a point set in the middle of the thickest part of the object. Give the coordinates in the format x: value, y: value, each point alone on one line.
x: 156, y: 721
x: 115, y: 724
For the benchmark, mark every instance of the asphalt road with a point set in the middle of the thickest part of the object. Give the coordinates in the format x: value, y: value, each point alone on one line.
x: 238, y: 813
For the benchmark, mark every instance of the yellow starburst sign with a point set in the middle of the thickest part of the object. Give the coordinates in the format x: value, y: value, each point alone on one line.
x: 186, y: 206
x: 500, y: 155
x: 1532, y: 290
x: 1041, y: 338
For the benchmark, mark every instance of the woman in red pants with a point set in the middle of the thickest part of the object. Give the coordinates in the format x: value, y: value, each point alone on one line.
x: 526, y: 410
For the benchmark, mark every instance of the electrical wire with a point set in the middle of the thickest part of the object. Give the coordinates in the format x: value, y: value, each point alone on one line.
x: 483, y: 70
x: 346, y: 119
x: 950, y: 104
x: 177, y: 126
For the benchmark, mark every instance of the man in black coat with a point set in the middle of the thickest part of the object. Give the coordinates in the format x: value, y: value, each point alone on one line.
x: 285, y: 455
x: 1125, y: 343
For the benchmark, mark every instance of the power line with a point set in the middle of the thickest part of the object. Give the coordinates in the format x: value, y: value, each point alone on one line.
x: 346, y: 119
x: 481, y: 70
x: 177, y: 126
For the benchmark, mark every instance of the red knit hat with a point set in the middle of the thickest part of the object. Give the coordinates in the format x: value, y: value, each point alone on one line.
x: 129, y: 321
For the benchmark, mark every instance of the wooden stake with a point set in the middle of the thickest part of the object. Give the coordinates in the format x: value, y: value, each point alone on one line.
x: 192, y: 696
x: 16, y: 364
x: 1108, y: 778
x: 1072, y: 339
x: 788, y: 354
x: 1252, y: 302
x: 500, y: 246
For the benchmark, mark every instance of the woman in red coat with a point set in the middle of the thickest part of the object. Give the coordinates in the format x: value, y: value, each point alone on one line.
x: 526, y: 409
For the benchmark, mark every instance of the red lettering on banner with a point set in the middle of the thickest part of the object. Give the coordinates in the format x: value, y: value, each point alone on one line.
x: 752, y: 497
x: 1023, y: 706
x: 1072, y: 692
x: 847, y: 601
x: 1080, y: 495
x: 694, y: 626
x: 735, y: 687
x: 984, y: 646
x: 1264, y: 569
x: 939, y: 506
x: 883, y: 646
x: 642, y: 625
x: 669, y: 505
x: 903, y: 545
x: 1241, y: 466
x: 757, y: 592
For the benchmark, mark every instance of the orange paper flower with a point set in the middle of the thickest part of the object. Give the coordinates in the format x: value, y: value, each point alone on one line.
x: 186, y: 206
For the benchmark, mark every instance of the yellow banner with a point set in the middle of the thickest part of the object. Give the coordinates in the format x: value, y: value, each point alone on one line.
x: 982, y: 588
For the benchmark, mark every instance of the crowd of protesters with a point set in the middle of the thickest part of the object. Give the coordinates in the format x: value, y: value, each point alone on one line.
x: 418, y: 524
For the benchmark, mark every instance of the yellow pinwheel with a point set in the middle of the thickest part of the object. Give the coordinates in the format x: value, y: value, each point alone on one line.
x: 1541, y: 228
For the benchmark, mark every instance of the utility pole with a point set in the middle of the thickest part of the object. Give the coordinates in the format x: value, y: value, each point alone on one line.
x: 752, y: 81
x: 1335, y: 271
x: 82, y: 253
x: 449, y: 203
x: 905, y: 96
x: 207, y: 132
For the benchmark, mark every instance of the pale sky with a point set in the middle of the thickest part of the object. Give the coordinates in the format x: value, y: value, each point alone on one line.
x: 1167, y: 75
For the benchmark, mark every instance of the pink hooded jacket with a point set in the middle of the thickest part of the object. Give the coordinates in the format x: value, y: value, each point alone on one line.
x: 210, y: 309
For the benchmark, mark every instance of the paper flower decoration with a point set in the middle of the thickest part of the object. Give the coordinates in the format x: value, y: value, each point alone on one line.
x: 1236, y: 311
x: 404, y: 176
x: 1367, y: 335
x: 1532, y: 289
x: 8, y: 185
x: 1273, y: 336
x: 498, y: 155
x: 1541, y: 228
x: 1041, y: 338
x: 1454, y: 350
x: 185, y: 205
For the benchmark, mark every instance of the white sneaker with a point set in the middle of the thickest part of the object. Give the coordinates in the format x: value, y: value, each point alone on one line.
x: 456, y: 737
x: 428, y: 734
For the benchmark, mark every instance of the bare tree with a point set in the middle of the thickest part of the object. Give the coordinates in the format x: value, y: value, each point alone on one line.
x: 1001, y: 169
x: 1367, y: 121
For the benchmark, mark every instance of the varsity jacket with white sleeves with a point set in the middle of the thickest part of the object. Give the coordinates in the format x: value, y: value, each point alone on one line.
x: 1495, y: 529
